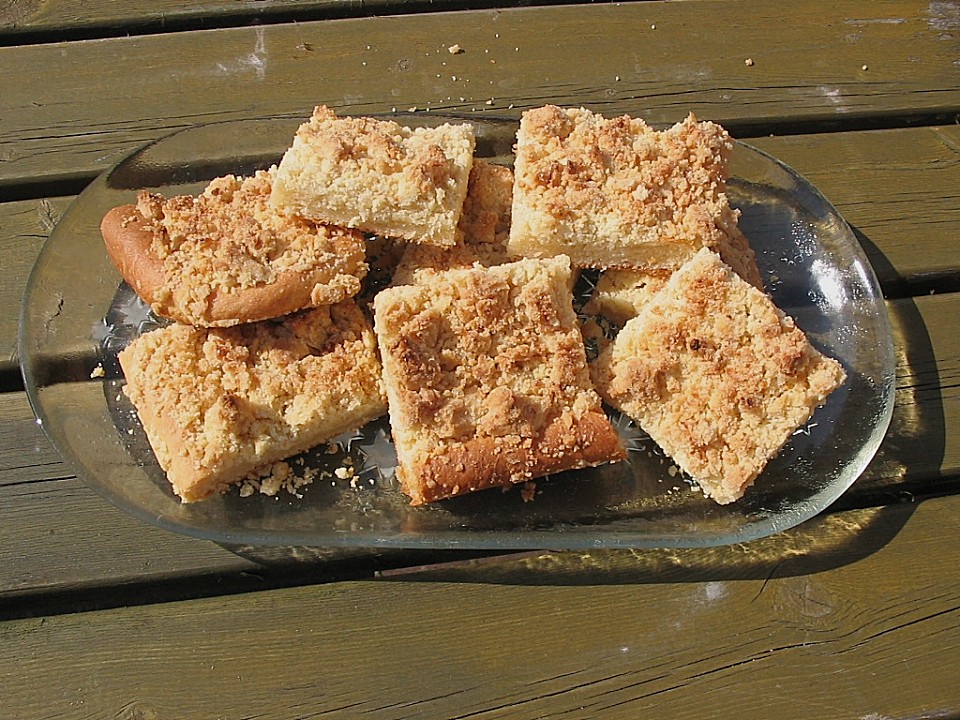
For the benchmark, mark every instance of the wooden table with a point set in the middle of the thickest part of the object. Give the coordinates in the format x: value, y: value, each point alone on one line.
x: 854, y: 614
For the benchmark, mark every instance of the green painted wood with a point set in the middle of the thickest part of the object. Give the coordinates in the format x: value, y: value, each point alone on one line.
x: 18, y: 17
x: 59, y: 538
x: 95, y: 545
x: 25, y: 454
x: 85, y: 104
x: 875, y: 635
x: 74, y: 538
x: 854, y: 614
x: 921, y: 453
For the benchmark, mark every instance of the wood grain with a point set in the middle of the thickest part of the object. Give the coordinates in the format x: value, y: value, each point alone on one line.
x: 801, y: 645
x: 656, y: 60
x: 24, y: 227
x: 925, y: 428
x: 105, y: 17
x: 854, y: 614
x: 79, y: 538
x: 898, y: 189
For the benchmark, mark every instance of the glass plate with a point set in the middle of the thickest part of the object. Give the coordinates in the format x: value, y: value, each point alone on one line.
x: 77, y: 315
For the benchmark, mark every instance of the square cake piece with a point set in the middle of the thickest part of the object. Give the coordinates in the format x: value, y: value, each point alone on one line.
x: 378, y: 176
x: 482, y: 231
x: 218, y: 404
x: 614, y: 193
x: 487, y: 381
x: 716, y: 374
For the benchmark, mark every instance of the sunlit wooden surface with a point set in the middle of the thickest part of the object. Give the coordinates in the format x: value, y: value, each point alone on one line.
x: 854, y: 614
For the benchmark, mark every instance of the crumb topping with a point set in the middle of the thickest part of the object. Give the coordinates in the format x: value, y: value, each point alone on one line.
x: 230, y: 238
x: 482, y: 231
x: 378, y: 176
x: 483, y: 360
x: 607, y: 190
x: 484, y: 353
x: 237, y: 398
x: 486, y: 208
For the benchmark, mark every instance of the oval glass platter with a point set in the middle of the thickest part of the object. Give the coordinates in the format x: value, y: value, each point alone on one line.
x: 77, y: 315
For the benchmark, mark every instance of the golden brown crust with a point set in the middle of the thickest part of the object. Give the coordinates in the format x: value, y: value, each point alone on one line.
x: 614, y: 193
x: 378, y: 176
x: 486, y: 376
x: 716, y: 374
x: 227, y: 257
x: 219, y: 403
x: 128, y: 237
x: 485, y: 462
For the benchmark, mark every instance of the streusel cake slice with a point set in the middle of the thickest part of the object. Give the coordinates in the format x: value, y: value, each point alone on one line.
x: 218, y: 403
x: 487, y: 381
x: 228, y: 256
x: 614, y: 193
x: 620, y: 294
x: 716, y: 374
x: 482, y: 231
x: 378, y: 176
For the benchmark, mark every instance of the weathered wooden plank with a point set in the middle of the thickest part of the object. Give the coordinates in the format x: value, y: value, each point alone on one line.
x: 57, y: 534
x: 25, y: 453
x: 657, y: 60
x: 65, y: 16
x: 94, y: 544
x: 925, y: 428
x: 36, y: 16
x: 54, y: 20
x: 80, y: 541
x: 898, y: 189
x: 24, y: 227
x: 791, y: 639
